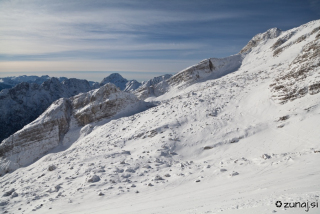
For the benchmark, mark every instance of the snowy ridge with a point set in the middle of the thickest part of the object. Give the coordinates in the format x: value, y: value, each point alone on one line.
x: 10, y: 82
x: 153, y: 87
x: 210, y: 145
x: 260, y: 38
x: 207, y: 69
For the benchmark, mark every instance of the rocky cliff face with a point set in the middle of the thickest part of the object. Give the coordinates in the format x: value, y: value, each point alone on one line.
x: 35, y: 139
x: 48, y: 131
x: 26, y: 101
x: 104, y: 102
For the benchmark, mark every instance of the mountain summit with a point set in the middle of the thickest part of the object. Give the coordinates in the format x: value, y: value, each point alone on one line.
x: 121, y: 82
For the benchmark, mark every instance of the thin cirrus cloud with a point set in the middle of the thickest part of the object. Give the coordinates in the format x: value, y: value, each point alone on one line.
x: 158, y: 35
x: 33, y: 28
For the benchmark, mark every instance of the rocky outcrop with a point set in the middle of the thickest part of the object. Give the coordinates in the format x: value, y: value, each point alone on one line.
x: 26, y: 101
x: 35, y: 139
x: 104, y: 102
x: 300, y: 77
x: 48, y: 130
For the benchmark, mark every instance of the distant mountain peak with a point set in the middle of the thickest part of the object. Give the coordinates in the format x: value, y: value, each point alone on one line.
x: 120, y: 82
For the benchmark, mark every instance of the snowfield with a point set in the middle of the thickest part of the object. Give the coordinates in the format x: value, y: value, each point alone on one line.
x: 217, y: 143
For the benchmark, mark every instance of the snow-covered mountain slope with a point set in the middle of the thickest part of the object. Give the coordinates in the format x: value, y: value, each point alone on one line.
x: 48, y: 131
x: 120, y: 82
x: 222, y: 145
x: 153, y: 87
x: 23, y: 103
x: 132, y: 85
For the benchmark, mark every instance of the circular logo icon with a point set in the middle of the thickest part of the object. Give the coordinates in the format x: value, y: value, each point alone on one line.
x: 278, y: 204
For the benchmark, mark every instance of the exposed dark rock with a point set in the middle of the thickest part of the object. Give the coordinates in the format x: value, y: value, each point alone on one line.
x: 207, y: 147
x: 297, y: 81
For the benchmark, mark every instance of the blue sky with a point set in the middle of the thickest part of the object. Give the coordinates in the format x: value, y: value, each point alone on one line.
x: 139, y: 39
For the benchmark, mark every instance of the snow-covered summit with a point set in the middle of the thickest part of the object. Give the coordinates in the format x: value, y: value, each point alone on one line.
x: 120, y: 82
x: 116, y: 79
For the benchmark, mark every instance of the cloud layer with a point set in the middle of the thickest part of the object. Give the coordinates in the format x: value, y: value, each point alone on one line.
x: 40, y: 33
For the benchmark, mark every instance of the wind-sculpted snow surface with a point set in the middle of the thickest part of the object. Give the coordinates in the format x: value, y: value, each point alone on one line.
x: 26, y: 101
x: 211, y: 145
x: 48, y: 131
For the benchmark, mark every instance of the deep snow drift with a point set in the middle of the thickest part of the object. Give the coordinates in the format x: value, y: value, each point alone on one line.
x: 225, y: 142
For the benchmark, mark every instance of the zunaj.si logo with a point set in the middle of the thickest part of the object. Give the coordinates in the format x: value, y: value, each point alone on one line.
x: 278, y: 204
x: 305, y: 205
